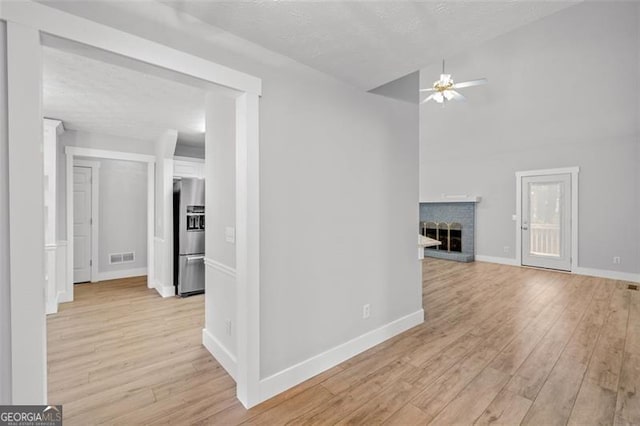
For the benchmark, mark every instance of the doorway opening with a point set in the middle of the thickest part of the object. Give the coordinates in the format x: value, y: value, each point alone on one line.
x: 29, y: 27
x: 547, y: 218
x: 119, y: 305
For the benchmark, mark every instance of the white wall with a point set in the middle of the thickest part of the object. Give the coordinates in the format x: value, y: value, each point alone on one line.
x: 563, y: 91
x: 163, y: 243
x: 221, y: 178
x: 220, y: 181
x: 338, y: 191
x: 5, y: 308
x: 339, y: 214
x: 122, y: 205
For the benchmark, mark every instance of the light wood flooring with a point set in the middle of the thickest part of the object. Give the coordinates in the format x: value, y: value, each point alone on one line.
x: 500, y: 345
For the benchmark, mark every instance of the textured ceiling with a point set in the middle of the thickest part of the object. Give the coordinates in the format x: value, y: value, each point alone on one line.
x: 95, y: 96
x: 368, y: 43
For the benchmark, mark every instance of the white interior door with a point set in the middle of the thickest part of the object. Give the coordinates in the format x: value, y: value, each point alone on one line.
x: 546, y: 221
x: 81, y: 224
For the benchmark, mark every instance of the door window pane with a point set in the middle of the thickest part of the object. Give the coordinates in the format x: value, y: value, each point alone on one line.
x: 545, y: 218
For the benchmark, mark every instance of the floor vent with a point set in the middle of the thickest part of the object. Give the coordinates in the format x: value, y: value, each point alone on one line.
x: 633, y: 287
x: 128, y: 257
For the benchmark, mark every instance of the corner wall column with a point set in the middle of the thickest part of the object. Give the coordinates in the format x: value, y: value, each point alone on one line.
x: 26, y: 217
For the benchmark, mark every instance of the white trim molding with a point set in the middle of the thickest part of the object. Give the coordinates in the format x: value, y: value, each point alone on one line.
x: 163, y: 278
x: 50, y: 278
x: 226, y: 359
x: 605, y: 273
x: 248, y: 249
x: 591, y: 272
x: 107, y: 154
x: 26, y: 212
x: 71, y: 27
x: 573, y: 172
x: 151, y: 223
x: 444, y: 198
x: 166, y: 291
x: 188, y: 159
x: 285, y: 379
x: 499, y: 260
x: 220, y: 267
x: 123, y: 273
x: 61, y: 270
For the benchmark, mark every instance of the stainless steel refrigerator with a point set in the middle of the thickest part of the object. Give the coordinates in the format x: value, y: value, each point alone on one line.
x: 188, y: 236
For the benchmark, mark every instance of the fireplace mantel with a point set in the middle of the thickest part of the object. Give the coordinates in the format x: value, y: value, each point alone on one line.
x: 454, y: 199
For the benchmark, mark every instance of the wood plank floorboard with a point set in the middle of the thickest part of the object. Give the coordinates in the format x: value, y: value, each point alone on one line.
x: 499, y: 345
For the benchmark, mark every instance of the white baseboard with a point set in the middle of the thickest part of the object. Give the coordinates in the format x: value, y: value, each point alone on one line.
x: 124, y: 273
x: 603, y: 273
x: 592, y: 272
x: 495, y: 259
x: 226, y: 359
x: 165, y: 291
x: 305, y: 370
x: 64, y: 296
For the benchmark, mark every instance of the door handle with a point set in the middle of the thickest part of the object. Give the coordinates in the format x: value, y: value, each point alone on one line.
x: 524, y: 228
x: 194, y: 258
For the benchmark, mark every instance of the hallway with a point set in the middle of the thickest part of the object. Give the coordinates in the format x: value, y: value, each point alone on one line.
x: 120, y: 347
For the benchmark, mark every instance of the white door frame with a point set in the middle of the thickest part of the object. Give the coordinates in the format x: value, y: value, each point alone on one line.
x: 71, y: 152
x: 95, y: 215
x: 573, y: 172
x: 26, y: 22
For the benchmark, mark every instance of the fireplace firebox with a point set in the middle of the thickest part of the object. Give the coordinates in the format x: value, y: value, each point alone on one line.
x: 453, y: 224
x: 448, y: 233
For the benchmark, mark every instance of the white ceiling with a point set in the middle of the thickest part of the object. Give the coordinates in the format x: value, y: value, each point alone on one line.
x: 96, y: 96
x: 368, y: 43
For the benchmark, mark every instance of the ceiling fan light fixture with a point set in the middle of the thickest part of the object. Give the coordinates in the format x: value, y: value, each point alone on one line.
x: 445, y: 88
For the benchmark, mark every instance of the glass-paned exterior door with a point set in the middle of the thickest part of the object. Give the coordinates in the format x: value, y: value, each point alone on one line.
x: 546, y: 221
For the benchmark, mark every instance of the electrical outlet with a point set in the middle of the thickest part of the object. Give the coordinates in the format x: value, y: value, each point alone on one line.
x: 366, y: 311
x: 507, y: 249
x: 227, y: 327
x: 616, y: 260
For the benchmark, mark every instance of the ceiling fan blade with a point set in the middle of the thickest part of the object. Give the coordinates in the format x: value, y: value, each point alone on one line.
x: 457, y: 96
x: 428, y: 98
x: 431, y: 89
x: 470, y: 83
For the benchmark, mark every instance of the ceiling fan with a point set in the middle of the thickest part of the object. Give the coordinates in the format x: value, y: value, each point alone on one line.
x: 444, y: 89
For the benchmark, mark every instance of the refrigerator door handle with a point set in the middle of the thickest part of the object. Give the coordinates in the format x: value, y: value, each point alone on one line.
x: 194, y: 258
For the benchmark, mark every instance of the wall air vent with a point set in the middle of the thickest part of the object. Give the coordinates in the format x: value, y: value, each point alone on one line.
x: 115, y: 258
